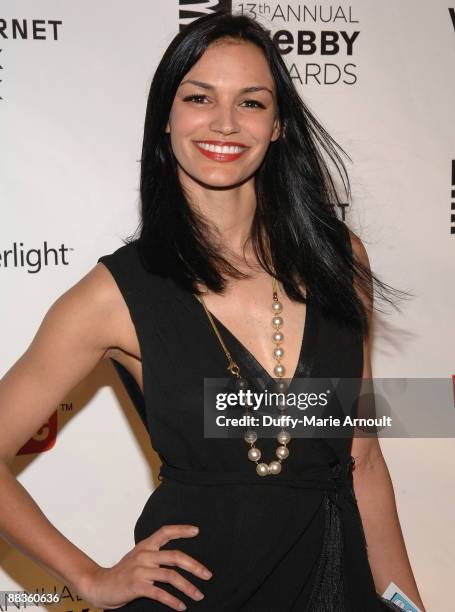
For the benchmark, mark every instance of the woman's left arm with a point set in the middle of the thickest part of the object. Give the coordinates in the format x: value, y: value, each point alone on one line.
x: 386, y: 548
x: 373, y: 489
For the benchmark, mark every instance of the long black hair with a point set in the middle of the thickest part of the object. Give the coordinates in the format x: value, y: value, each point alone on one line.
x: 297, y: 200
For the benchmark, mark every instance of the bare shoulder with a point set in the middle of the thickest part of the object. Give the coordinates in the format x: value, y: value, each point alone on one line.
x: 90, y: 316
x: 360, y: 253
x: 359, y: 249
x: 99, y: 300
x: 121, y: 336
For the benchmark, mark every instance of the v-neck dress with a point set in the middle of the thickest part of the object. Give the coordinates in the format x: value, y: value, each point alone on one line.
x: 292, y: 541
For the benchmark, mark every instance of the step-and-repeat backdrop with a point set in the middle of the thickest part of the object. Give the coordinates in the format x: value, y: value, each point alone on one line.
x: 74, y: 78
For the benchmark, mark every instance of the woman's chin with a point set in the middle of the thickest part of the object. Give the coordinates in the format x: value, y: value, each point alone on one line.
x: 219, y: 180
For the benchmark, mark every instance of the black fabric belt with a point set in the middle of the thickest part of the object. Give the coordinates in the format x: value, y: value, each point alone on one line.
x: 327, y: 478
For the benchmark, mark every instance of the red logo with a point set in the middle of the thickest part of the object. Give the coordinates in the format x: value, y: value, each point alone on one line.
x: 43, y: 440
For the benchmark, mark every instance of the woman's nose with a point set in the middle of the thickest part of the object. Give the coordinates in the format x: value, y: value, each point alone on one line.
x: 224, y: 120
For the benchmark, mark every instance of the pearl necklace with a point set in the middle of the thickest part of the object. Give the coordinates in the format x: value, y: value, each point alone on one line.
x: 283, y: 437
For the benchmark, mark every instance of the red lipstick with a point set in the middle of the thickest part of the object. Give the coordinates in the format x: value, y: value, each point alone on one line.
x: 220, y: 156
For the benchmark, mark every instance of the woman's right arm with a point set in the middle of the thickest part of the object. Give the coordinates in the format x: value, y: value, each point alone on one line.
x: 76, y: 332
x: 74, y: 335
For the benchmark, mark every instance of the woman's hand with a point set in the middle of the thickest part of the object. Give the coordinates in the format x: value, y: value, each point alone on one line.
x: 134, y: 575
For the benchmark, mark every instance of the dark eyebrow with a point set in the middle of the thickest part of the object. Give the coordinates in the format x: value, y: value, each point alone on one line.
x: 243, y: 90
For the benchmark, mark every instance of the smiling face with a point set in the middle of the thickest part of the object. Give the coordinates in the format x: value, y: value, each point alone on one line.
x: 224, y: 115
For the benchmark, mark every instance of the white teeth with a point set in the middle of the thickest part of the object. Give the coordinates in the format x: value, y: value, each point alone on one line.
x: 217, y: 149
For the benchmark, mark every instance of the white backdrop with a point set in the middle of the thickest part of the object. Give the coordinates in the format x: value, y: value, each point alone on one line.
x: 73, y: 92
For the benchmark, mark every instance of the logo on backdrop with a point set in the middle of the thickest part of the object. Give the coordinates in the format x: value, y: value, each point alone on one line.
x: 33, y: 260
x: 317, y: 54
x: 43, y: 440
x: 189, y: 10
x: 46, y: 436
x: 27, y: 29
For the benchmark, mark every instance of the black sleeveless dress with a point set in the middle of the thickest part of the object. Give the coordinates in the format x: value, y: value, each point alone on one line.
x: 288, y: 542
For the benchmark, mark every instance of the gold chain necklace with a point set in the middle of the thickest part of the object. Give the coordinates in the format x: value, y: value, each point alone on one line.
x: 283, y: 437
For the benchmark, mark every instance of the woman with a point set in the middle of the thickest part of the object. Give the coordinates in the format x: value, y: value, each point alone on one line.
x: 234, y: 190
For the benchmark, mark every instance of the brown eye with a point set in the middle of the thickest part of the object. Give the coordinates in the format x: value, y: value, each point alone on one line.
x: 255, y: 102
x: 194, y: 98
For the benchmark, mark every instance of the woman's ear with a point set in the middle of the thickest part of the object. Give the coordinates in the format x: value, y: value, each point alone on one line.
x: 276, y: 132
x: 167, y: 129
